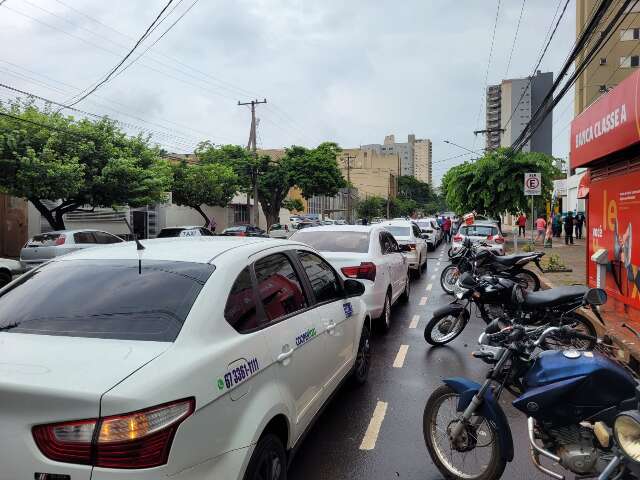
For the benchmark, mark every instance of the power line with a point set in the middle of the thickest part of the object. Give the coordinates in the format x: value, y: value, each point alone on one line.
x: 114, y: 69
x: 515, y: 37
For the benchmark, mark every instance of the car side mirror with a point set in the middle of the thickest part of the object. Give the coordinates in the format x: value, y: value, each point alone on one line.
x: 353, y: 288
x: 405, y: 248
x: 595, y: 296
x: 425, y: 236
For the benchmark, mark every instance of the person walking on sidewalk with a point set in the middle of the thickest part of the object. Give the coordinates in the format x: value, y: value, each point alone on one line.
x: 579, y: 220
x: 541, y: 225
x: 568, y: 229
x: 446, y: 226
x: 557, y: 225
x: 522, y: 225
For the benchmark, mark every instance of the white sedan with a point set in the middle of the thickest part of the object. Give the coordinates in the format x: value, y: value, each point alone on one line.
x: 194, y: 358
x: 408, y: 233
x: 370, y: 254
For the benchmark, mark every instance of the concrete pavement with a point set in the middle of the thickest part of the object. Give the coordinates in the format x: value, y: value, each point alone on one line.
x: 375, y: 431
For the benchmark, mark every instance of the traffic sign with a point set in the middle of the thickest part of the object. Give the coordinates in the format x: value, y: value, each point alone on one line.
x: 532, y: 184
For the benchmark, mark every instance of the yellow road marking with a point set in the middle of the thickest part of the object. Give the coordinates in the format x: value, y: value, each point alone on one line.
x: 423, y: 301
x: 402, y: 354
x: 371, y: 435
x: 414, y: 321
x: 429, y: 287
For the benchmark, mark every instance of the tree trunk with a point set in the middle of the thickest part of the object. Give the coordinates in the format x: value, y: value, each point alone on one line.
x: 198, y: 209
x: 55, y: 222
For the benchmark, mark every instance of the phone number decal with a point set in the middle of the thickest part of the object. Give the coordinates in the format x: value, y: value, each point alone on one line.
x: 239, y: 374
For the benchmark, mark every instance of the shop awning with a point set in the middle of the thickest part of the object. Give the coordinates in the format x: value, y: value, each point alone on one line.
x: 583, y: 186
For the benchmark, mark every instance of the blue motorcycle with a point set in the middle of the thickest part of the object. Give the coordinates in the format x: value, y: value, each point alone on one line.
x: 571, y: 399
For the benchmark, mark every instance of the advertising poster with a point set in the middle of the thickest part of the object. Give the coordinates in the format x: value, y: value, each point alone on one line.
x: 614, y: 224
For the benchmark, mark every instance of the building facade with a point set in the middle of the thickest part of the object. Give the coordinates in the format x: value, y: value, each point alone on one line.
x: 618, y: 58
x: 422, y: 160
x: 509, y: 108
x: 415, y: 155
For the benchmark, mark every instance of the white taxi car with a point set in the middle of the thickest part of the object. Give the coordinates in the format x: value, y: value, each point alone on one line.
x: 194, y: 358
x: 370, y: 254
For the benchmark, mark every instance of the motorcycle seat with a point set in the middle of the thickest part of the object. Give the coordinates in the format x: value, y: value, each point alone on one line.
x: 509, y: 260
x: 554, y: 296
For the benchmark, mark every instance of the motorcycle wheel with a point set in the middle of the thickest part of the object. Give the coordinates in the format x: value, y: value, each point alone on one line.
x: 528, y: 280
x: 476, y: 453
x: 444, y: 328
x: 577, y: 322
x: 449, y: 277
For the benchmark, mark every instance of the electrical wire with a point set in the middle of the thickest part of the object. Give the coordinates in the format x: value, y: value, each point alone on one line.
x: 515, y: 37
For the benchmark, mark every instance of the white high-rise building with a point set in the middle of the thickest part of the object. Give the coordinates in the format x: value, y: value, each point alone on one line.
x: 415, y: 155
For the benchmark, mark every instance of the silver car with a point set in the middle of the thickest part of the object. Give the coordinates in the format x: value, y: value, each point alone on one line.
x: 46, y: 246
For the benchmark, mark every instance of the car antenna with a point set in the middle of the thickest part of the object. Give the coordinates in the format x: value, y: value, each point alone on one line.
x: 139, y: 246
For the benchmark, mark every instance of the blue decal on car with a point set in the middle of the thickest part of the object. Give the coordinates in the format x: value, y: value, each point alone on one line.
x: 348, y: 309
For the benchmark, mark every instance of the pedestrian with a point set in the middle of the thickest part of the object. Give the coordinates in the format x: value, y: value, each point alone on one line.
x: 522, y: 225
x: 568, y: 229
x: 500, y: 224
x: 557, y: 225
x: 446, y: 226
x: 579, y: 220
x: 541, y: 225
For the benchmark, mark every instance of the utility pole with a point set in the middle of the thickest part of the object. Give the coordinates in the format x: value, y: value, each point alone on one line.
x: 348, y: 158
x: 252, y: 146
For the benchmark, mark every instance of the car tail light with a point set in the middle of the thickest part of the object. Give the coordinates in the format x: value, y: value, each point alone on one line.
x: 61, y: 239
x: 457, y: 237
x: 364, y: 271
x: 412, y: 246
x: 498, y: 239
x: 139, y: 439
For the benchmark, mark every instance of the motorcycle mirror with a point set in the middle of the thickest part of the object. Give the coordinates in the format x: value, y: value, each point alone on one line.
x: 595, y: 296
x: 493, y: 327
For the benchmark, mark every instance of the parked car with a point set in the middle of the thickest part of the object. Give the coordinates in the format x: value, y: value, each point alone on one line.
x: 279, y: 230
x: 408, y: 233
x: 206, y: 357
x: 244, y: 231
x: 477, y: 232
x: 430, y: 231
x: 188, y: 231
x: 45, y: 246
x: 9, y: 268
x: 370, y: 254
x: 341, y: 222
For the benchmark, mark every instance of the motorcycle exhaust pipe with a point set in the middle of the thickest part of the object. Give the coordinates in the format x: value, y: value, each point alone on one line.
x: 536, y: 451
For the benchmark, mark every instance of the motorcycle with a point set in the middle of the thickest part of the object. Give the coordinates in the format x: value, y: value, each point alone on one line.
x: 471, y: 258
x: 571, y: 400
x: 493, y: 298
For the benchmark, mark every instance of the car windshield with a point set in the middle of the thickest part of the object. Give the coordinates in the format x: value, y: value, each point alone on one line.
x: 334, y: 241
x: 397, y: 231
x: 44, y: 240
x: 424, y: 224
x: 104, y: 299
x: 478, y: 230
x: 235, y: 229
x: 169, y: 232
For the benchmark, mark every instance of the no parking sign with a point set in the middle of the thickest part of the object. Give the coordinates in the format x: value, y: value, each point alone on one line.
x: 532, y: 184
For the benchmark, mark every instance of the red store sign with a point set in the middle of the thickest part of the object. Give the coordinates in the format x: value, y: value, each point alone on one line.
x: 608, y: 125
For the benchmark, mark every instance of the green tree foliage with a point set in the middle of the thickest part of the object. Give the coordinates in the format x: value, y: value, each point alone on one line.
x: 403, y: 207
x: 200, y: 184
x: 293, y: 204
x: 493, y: 184
x: 234, y: 156
x: 371, y: 207
x: 76, y: 163
x: 411, y: 187
x: 274, y: 182
x: 316, y: 171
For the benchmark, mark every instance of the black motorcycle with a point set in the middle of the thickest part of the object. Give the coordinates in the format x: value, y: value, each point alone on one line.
x: 493, y: 297
x: 481, y: 261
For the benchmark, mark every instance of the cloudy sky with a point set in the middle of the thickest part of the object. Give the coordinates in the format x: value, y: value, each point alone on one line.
x: 347, y: 71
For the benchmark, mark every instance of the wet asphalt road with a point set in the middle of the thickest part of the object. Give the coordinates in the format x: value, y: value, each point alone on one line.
x: 332, y: 448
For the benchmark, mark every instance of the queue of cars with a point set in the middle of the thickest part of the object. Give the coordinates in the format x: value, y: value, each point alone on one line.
x: 197, y: 356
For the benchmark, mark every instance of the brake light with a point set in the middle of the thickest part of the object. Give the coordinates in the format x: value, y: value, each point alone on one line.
x: 61, y: 239
x: 412, y: 246
x: 457, y: 237
x: 242, y: 234
x: 139, y: 439
x: 498, y: 239
x: 364, y: 271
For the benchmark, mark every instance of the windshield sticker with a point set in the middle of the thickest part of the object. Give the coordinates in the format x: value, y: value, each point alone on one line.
x: 238, y: 374
x: 348, y: 309
x: 305, y: 337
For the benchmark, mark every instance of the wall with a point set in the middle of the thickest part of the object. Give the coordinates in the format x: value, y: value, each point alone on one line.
x: 541, y: 141
x: 13, y: 225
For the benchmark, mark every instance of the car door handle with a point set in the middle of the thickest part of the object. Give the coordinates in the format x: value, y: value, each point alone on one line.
x: 331, y: 327
x: 285, y: 355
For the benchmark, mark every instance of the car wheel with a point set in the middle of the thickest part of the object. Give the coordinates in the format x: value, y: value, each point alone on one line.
x: 385, y: 318
x: 406, y: 294
x: 418, y: 271
x: 363, y: 358
x: 268, y: 461
x: 5, y: 277
x: 424, y: 265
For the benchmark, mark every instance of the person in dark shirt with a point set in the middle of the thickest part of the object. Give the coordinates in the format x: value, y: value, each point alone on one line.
x: 568, y: 229
x: 579, y: 221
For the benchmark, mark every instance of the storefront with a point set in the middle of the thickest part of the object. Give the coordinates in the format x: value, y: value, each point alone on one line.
x: 605, y: 138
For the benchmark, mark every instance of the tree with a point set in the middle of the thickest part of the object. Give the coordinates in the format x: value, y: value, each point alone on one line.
x: 371, y: 207
x: 493, y: 184
x: 402, y: 207
x: 45, y: 156
x: 411, y: 187
x: 274, y: 183
x: 316, y: 171
x: 200, y: 184
x: 238, y: 158
x: 293, y: 204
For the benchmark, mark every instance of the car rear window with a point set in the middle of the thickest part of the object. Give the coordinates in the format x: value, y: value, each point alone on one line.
x: 478, y: 230
x: 44, y: 240
x: 334, y: 241
x: 104, y: 299
x: 399, y: 231
x: 169, y: 232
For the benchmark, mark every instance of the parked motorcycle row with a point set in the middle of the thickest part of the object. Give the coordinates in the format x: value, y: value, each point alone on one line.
x: 582, y: 406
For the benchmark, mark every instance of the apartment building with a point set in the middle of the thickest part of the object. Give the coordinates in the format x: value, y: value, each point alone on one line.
x: 422, y: 153
x: 415, y: 155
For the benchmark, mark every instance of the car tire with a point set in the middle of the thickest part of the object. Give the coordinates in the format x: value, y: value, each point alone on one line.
x: 385, y: 318
x: 418, y: 271
x: 423, y: 268
x: 5, y: 277
x: 268, y: 460
x: 363, y: 357
x: 406, y: 294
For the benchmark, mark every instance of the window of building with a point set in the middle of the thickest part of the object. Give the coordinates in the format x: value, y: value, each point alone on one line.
x: 630, y: 34
x: 632, y: 61
x: 603, y: 60
x: 240, y: 214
